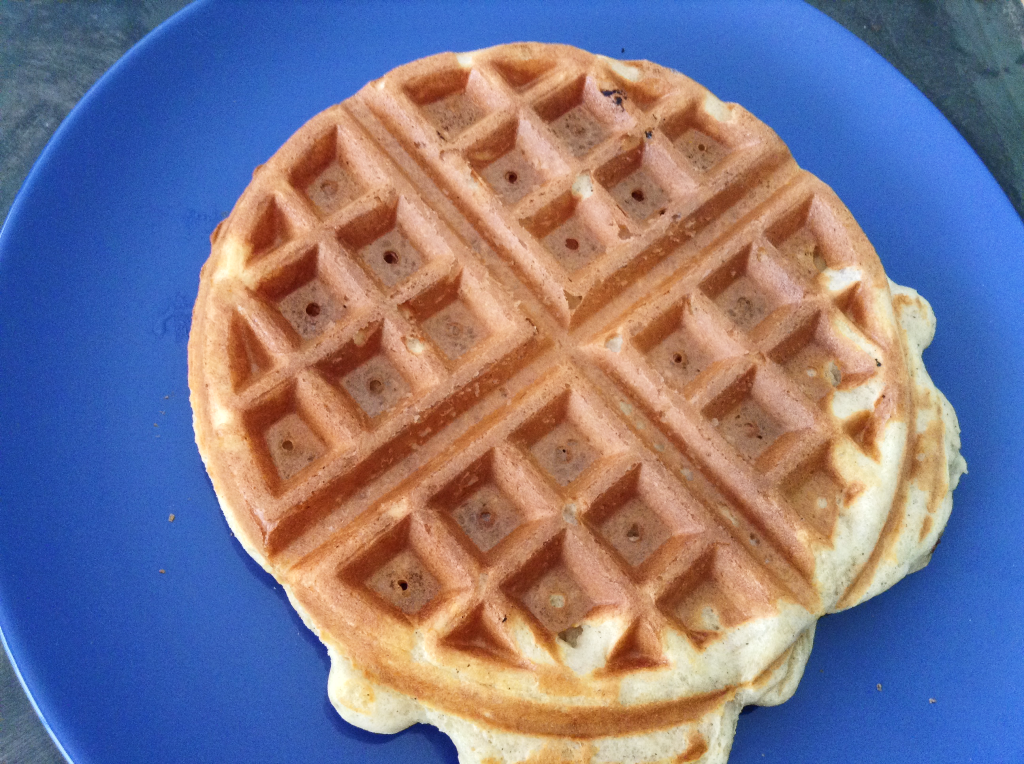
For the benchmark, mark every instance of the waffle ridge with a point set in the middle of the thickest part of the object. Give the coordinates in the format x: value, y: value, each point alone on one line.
x: 525, y: 340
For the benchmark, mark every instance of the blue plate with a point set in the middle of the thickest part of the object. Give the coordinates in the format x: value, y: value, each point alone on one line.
x: 99, y: 264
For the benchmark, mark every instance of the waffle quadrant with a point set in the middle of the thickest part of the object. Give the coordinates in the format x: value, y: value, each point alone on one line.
x: 563, y: 403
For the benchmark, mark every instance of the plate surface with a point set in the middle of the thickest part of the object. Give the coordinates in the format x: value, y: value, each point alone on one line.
x: 206, y: 662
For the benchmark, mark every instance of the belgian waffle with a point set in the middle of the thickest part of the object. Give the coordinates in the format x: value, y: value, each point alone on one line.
x: 562, y: 402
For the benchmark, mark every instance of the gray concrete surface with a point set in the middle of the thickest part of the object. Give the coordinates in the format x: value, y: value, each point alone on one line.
x: 967, y: 56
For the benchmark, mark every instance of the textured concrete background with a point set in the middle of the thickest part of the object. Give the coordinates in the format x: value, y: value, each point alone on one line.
x: 967, y: 56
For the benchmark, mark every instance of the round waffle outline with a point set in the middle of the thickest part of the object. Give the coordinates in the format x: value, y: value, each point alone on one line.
x: 571, y: 302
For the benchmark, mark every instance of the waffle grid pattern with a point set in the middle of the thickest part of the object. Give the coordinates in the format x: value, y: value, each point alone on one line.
x: 361, y: 304
x: 540, y: 132
x: 551, y: 513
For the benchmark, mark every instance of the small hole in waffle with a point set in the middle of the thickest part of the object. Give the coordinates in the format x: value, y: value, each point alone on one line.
x: 325, y: 175
x: 697, y: 137
x: 566, y: 228
x: 631, y: 517
x: 750, y: 286
x: 293, y: 444
x: 376, y: 386
x: 573, y: 245
x: 405, y: 582
x: 455, y: 329
x: 580, y: 131
x: 818, y: 360
x: 684, y: 341
x: 390, y: 241
x: 332, y: 189
x: 375, y: 371
x: 740, y: 415
x: 701, y: 150
x: 309, y: 291
x: 448, y: 314
x: 560, y: 585
x: 807, y: 236
x: 478, y: 499
x: 514, y: 160
x: 286, y: 433
x: 400, y: 569
x: 634, y: 529
x: 486, y: 517
x: 557, y: 600
x: 564, y: 453
x: 632, y: 180
x: 565, y: 438
x: 579, y: 116
x: 392, y: 258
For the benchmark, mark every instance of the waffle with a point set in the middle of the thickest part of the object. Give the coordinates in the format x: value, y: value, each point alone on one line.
x: 562, y: 402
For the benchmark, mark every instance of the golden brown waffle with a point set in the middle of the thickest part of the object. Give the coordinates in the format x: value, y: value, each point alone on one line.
x: 563, y: 403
